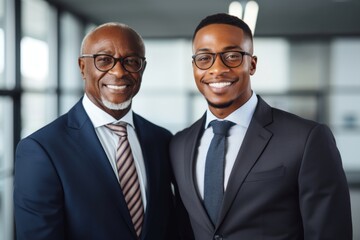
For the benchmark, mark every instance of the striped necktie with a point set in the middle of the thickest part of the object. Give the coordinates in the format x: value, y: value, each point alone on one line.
x: 128, y: 177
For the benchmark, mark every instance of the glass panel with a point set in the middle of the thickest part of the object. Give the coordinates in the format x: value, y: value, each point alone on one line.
x: 67, y: 101
x: 35, y: 60
x: 2, y: 57
x: 71, y: 35
x: 6, y: 169
x: 2, y: 43
x: 151, y: 105
x: 38, y: 109
x: 168, y: 65
x: 309, y: 63
x: 344, y: 111
x: 198, y: 106
x: 345, y: 62
x: 272, y: 71
x: 345, y: 120
x: 34, y: 63
x: 301, y: 105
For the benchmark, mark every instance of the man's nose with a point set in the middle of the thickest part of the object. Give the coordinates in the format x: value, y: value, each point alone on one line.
x: 118, y: 69
x: 218, y: 65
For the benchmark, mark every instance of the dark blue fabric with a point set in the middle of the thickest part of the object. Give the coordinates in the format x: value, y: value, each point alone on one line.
x: 65, y: 187
x: 214, y: 168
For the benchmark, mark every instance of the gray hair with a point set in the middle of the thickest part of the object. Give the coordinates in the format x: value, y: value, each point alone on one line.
x: 112, y: 24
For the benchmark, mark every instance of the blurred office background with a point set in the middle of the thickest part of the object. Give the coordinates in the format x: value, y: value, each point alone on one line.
x: 309, y: 64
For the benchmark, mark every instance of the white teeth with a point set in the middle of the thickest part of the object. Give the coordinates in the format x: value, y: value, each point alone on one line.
x: 115, y: 87
x: 219, y: 84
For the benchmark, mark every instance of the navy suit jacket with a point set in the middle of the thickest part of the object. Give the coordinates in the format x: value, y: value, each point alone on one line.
x: 65, y: 188
x: 287, y: 182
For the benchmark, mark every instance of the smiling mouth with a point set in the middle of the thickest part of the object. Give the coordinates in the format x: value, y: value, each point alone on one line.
x: 116, y: 87
x: 219, y: 84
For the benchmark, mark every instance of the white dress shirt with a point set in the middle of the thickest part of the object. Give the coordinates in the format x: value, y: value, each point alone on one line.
x: 241, y: 117
x: 109, y: 140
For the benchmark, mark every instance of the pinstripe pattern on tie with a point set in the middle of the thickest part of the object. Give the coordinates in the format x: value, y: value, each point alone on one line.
x: 128, y: 177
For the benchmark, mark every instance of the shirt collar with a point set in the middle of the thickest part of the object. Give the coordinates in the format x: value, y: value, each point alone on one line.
x: 100, y: 118
x: 241, y: 116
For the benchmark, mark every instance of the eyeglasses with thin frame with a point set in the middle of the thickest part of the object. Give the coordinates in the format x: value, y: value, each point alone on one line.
x: 231, y: 59
x: 105, y: 62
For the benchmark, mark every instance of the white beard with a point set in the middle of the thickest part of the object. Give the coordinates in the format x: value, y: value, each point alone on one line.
x: 116, y: 106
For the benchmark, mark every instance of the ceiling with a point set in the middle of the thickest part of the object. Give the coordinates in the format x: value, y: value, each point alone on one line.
x: 174, y: 18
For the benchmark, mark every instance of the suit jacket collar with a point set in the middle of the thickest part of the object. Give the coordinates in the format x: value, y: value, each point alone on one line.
x: 256, y: 139
x: 191, y: 144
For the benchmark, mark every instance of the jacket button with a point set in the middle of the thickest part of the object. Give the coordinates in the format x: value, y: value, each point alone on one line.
x: 218, y: 237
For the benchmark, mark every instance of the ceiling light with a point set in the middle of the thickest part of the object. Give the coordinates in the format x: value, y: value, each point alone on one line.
x: 250, y: 13
x: 235, y: 9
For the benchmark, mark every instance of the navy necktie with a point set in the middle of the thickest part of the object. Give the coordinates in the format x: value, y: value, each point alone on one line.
x: 214, y: 169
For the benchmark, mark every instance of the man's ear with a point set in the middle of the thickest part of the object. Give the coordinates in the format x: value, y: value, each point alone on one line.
x: 81, y: 67
x: 143, y: 69
x: 144, y: 66
x: 253, y: 65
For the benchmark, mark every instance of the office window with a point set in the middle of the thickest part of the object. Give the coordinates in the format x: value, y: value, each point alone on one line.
x: 38, y: 65
x: 34, y: 63
x: 272, y: 71
x: 166, y: 84
x: 71, y: 84
x: 344, y: 96
x: 35, y: 45
x: 2, y: 56
x: 2, y: 43
x: 6, y: 168
x: 37, y: 110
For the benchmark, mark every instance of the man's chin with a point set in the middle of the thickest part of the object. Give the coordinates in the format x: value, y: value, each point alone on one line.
x: 117, y: 106
x: 219, y: 105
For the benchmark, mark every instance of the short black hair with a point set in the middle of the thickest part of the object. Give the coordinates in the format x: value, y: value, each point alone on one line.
x: 224, y: 18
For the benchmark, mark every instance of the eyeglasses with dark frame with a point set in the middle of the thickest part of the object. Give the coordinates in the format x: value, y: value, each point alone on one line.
x: 231, y: 59
x: 105, y: 62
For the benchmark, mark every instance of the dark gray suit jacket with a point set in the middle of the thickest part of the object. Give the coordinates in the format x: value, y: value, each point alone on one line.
x: 65, y: 187
x: 287, y: 182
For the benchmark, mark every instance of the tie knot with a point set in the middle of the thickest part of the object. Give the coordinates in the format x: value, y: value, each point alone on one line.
x: 221, y: 127
x: 118, y: 129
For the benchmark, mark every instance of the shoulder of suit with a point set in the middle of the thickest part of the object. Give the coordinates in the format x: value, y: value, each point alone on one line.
x: 192, y: 129
x: 288, y: 117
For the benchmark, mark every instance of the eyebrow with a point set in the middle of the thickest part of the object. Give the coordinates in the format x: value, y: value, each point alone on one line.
x: 224, y: 49
x: 104, y: 52
x: 232, y: 48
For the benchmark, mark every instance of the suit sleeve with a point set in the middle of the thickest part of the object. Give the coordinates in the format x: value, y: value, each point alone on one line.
x: 324, y: 194
x: 38, y: 197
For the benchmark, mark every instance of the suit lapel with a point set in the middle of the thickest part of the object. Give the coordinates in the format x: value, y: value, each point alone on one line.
x: 146, y: 137
x: 82, y: 131
x: 256, y: 139
x: 191, y: 144
x: 145, y: 140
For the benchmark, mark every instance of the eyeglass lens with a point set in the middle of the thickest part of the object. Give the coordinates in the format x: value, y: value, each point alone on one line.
x: 106, y: 62
x: 230, y: 59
